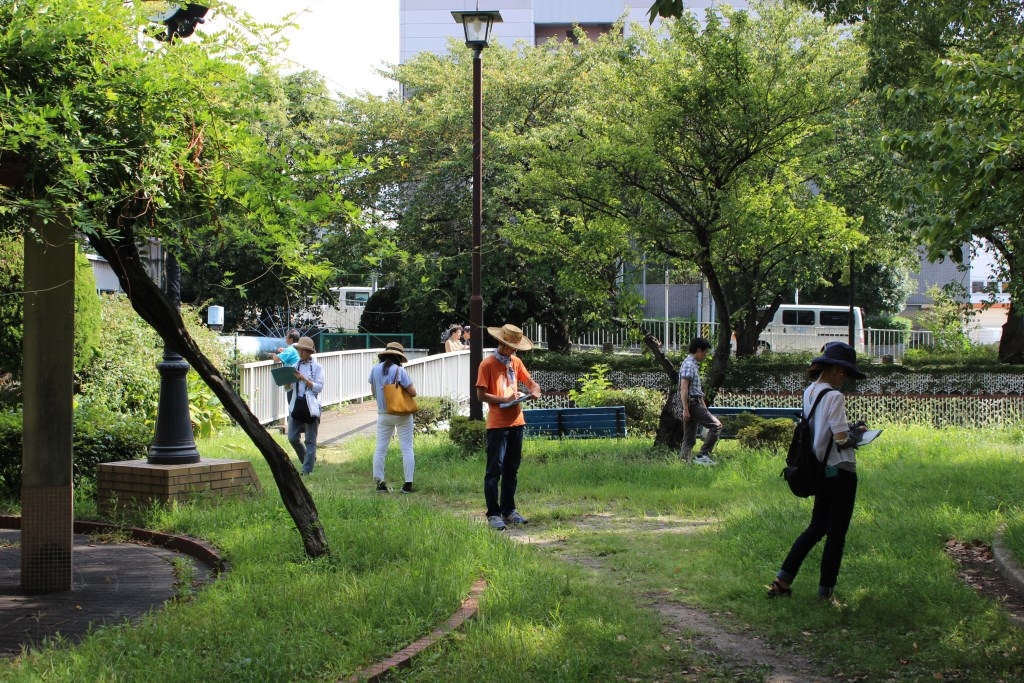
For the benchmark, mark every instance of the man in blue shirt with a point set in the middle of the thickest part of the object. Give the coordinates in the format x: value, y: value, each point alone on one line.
x: 695, y: 412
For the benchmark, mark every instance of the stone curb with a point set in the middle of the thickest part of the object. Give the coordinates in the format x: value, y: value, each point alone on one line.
x: 1005, y: 562
x: 403, y: 658
x: 193, y: 547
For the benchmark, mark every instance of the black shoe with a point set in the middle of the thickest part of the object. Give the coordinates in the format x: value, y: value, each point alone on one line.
x: 407, y: 487
x: 382, y: 487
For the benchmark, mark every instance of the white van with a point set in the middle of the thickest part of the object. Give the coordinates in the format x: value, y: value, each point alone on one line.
x: 808, y: 327
x: 347, y: 309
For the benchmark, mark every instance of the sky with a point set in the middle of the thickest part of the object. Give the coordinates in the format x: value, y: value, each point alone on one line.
x: 345, y: 40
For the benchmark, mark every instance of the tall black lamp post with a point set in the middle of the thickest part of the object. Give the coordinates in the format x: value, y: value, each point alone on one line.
x: 173, y: 442
x: 477, y: 26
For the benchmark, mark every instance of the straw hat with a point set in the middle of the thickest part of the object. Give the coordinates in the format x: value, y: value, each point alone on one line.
x: 305, y: 343
x: 510, y: 335
x: 394, y: 349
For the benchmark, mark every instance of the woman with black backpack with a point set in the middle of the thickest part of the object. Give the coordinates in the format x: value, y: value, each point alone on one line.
x: 835, y: 442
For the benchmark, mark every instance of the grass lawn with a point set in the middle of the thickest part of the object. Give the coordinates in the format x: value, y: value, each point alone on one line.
x: 650, y: 527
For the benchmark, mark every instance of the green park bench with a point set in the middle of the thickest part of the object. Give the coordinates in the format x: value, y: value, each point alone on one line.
x: 576, y: 423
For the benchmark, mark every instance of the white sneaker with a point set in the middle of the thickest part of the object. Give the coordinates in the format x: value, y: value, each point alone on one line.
x: 703, y: 460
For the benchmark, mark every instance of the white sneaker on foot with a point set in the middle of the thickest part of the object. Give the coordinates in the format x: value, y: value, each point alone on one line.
x: 703, y: 460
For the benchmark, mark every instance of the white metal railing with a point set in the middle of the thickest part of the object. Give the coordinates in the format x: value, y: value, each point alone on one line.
x: 346, y: 375
x: 676, y: 336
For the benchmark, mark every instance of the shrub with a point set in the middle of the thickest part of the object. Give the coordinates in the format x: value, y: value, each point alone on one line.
x: 734, y: 424
x: 469, y: 435
x: 433, y: 410
x: 99, y: 436
x: 643, y: 408
x: 10, y: 450
x: 104, y: 436
x: 123, y: 377
x: 774, y: 434
x: 594, y: 387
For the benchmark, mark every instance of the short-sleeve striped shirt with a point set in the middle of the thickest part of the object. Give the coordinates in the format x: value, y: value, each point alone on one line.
x: 690, y: 369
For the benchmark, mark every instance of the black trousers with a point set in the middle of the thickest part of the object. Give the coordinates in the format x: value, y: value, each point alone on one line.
x: 830, y: 519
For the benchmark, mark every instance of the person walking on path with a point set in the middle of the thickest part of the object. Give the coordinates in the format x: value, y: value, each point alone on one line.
x: 497, y: 384
x: 389, y: 371
x: 834, y: 440
x: 304, y: 405
x: 695, y: 412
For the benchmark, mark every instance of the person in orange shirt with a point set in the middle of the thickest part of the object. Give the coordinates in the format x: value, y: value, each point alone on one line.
x: 497, y: 383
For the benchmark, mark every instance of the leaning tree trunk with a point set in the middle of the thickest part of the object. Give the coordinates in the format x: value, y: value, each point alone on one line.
x: 1011, y: 345
x: 670, y: 426
x: 155, y: 308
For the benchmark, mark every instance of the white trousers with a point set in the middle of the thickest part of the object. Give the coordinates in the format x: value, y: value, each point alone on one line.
x: 387, y: 425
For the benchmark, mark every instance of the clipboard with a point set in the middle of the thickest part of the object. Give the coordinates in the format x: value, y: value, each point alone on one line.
x: 517, y: 401
x: 868, y: 436
x: 283, y: 376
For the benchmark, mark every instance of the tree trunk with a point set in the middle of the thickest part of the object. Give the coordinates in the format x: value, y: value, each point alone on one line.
x: 1011, y: 346
x: 558, y: 336
x: 154, y: 307
x: 670, y: 426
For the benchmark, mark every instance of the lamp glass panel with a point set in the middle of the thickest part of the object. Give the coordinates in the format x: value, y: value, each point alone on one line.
x: 477, y: 28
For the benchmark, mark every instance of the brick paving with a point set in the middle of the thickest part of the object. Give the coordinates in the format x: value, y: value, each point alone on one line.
x: 111, y: 583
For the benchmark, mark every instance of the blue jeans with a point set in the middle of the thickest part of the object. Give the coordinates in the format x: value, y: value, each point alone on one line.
x: 307, y: 453
x: 504, y: 454
x: 833, y: 509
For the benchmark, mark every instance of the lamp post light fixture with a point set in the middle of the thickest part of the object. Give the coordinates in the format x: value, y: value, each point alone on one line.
x: 477, y: 26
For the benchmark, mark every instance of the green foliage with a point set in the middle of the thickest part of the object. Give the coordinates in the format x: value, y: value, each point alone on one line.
x: 204, y: 408
x: 104, y: 436
x: 99, y: 435
x: 885, y: 321
x: 947, y: 317
x: 593, y: 387
x: 123, y: 377
x: 469, y: 435
x: 12, y: 304
x: 585, y: 361
x: 774, y: 434
x: 971, y: 359
x: 88, y: 323
x: 643, y: 407
x: 88, y: 316
x: 11, y: 431
x: 433, y: 410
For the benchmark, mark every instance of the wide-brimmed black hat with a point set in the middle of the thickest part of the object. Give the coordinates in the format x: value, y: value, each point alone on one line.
x: 841, y: 354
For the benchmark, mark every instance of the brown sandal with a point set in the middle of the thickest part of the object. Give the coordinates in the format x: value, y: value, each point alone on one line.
x: 777, y: 590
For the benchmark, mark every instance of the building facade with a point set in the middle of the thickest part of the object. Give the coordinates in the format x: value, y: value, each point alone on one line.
x: 427, y: 25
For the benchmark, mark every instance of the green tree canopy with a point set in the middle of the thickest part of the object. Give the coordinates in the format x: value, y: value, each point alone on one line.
x: 131, y: 140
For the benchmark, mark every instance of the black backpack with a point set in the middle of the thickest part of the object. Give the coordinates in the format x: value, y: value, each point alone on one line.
x: 803, y: 469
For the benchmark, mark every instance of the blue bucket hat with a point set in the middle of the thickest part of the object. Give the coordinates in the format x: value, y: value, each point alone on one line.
x: 841, y: 354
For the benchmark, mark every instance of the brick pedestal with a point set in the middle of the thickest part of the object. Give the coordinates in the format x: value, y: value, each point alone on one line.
x: 135, y: 482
